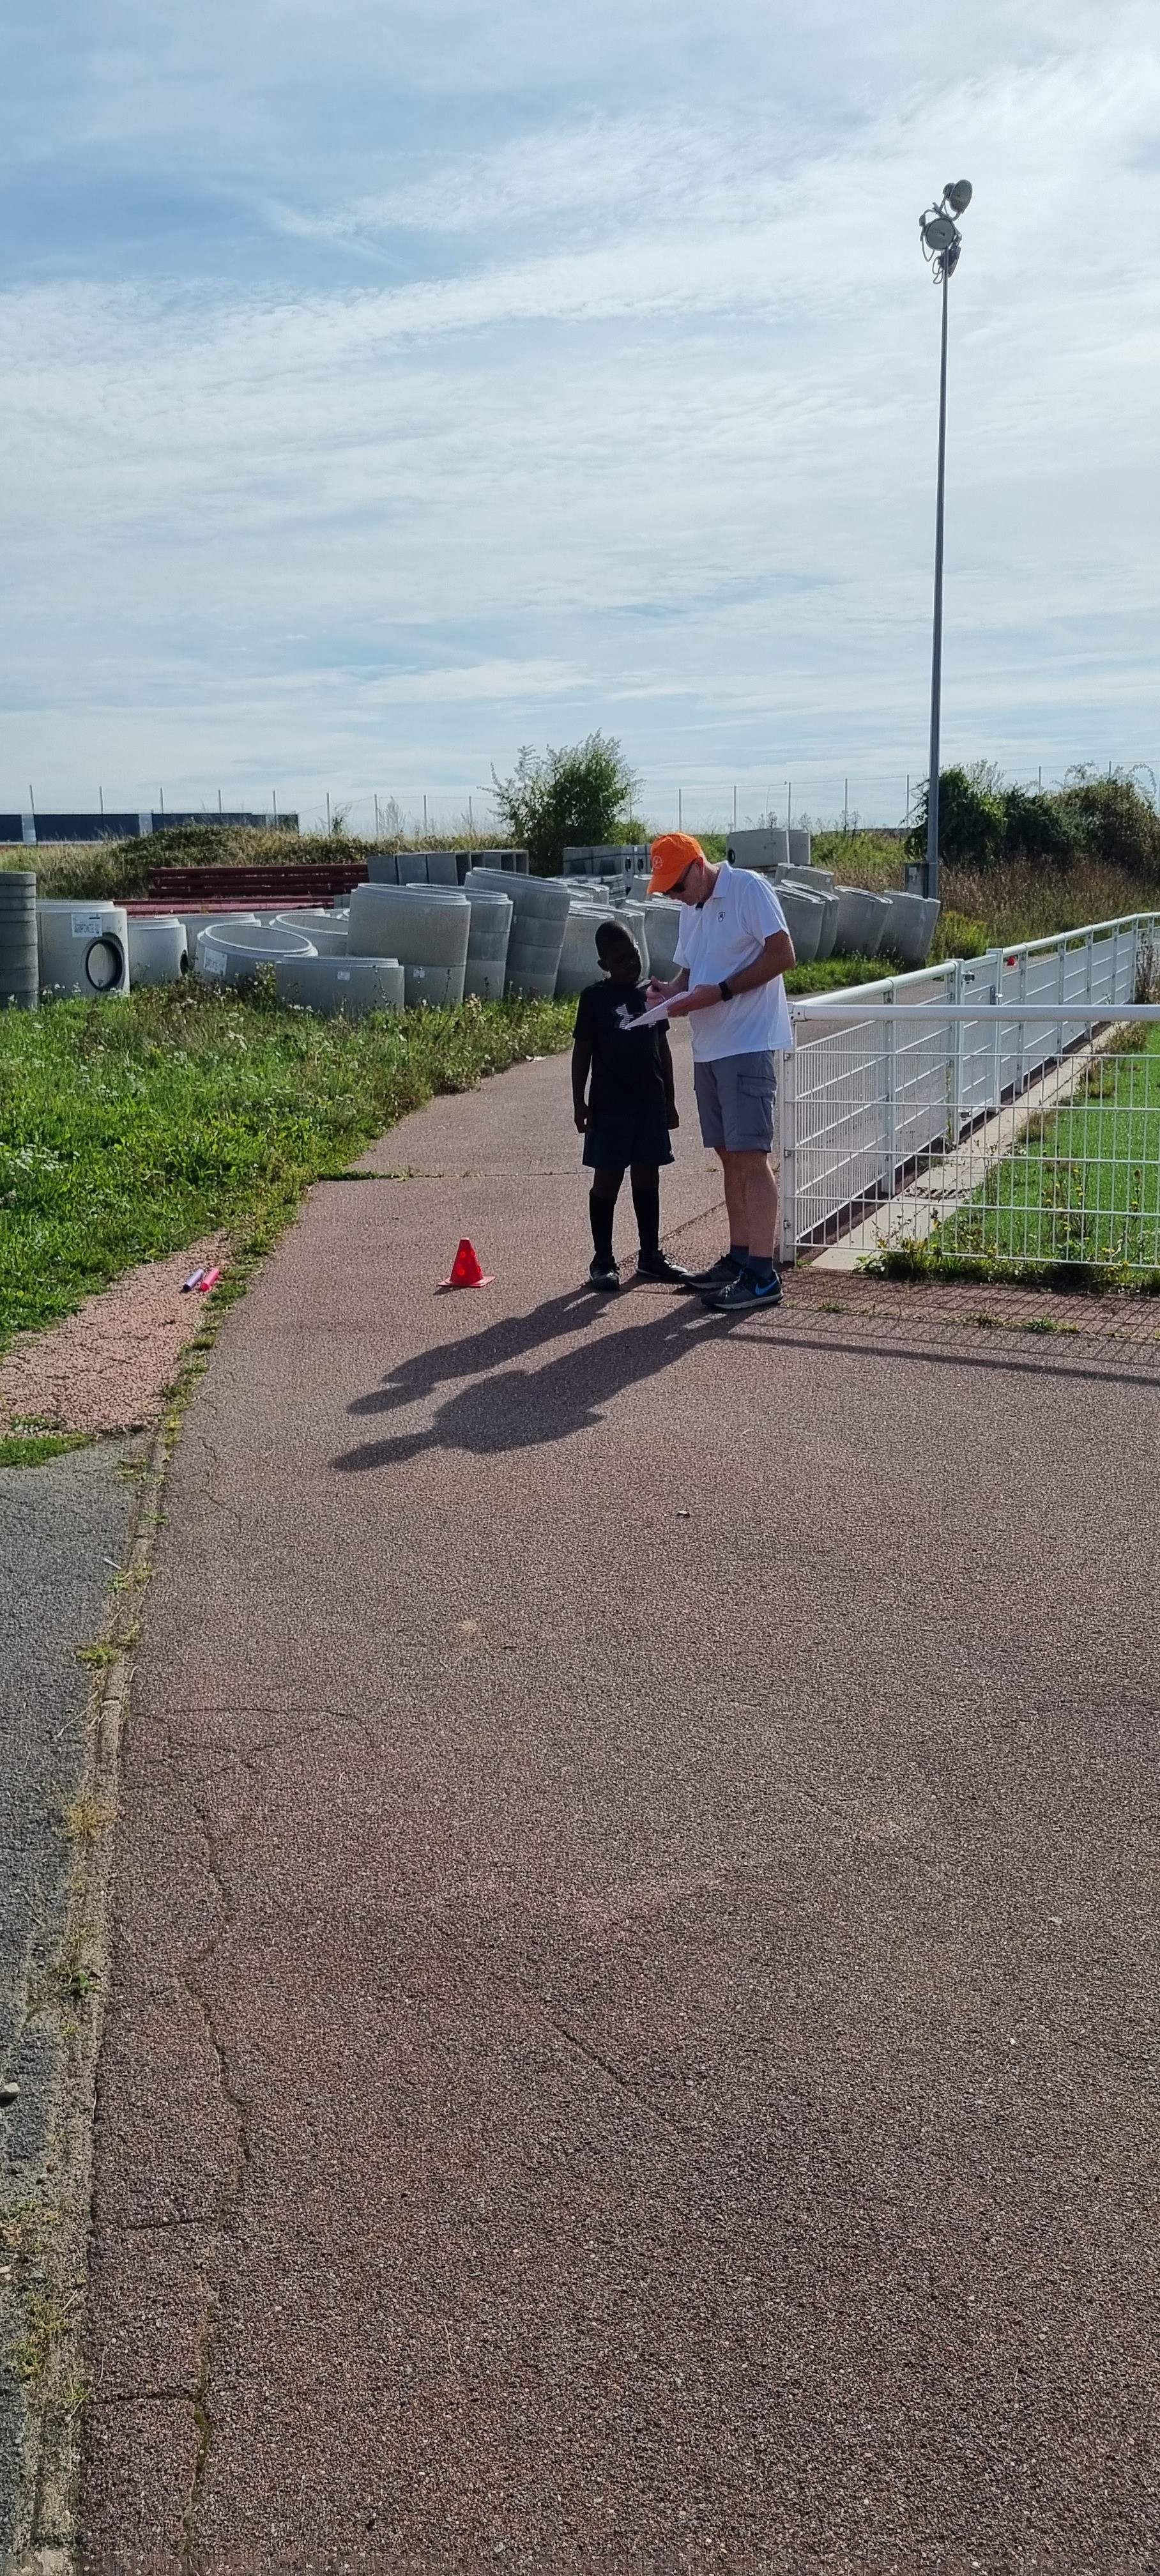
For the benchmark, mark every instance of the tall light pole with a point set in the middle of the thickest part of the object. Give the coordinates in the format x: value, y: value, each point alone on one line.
x: 941, y: 244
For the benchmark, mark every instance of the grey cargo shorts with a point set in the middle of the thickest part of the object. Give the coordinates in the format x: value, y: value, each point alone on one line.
x: 735, y: 1097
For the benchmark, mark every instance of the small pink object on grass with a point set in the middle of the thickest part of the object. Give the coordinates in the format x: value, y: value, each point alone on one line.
x: 209, y: 1279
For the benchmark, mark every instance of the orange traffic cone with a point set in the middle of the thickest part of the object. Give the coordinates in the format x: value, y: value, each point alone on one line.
x: 465, y: 1269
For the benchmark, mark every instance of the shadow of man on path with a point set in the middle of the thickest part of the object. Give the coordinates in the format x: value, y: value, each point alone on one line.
x: 519, y: 1408
x: 473, y: 1354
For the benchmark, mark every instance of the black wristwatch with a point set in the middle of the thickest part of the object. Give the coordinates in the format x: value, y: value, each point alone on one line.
x: 725, y: 990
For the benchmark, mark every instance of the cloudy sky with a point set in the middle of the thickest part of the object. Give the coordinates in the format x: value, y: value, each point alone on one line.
x: 389, y: 385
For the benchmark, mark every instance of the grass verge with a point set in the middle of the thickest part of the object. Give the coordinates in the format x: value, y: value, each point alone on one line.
x: 834, y: 974
x: 911, y: 1259
x: 31, y: 1448
x: 127, y: 1129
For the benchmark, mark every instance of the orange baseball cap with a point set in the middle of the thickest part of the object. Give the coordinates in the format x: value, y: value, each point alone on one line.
x: 671, y: 855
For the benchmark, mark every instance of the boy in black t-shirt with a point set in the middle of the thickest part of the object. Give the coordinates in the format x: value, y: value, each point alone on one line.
x: 629, y: 1109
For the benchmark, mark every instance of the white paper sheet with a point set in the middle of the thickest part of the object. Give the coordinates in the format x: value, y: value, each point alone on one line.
x: 643, y: 1019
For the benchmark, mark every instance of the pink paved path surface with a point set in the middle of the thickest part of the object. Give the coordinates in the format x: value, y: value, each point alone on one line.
x: 633, y: 2030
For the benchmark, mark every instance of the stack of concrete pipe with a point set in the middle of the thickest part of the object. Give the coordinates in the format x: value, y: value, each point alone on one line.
x: 440, y: 867
x: 326, y: 931
x: 158, y: 948
x: 910, y: 928
x: 766, y: 850
x: 414, y: 867
x: 515, y: 863
x: 19, y: 958
x: 862, y: 920
x: 662, y: 923
x: 308, y: 951
x: 232, y: 951
x: 492, y: 913
x: 854, y: 923
x: 340, y: 986
x: 193, y: 924
x: 426, y: 928
x: 540, y: 913
x: 812, y: 880
x: 607, y: 859
x: 423, y: 944
x: 83, y: 950
x: 413, y: 944
x: 806, y: 920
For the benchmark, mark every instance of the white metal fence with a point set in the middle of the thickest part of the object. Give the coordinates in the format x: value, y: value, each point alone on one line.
x: 993, y: 1108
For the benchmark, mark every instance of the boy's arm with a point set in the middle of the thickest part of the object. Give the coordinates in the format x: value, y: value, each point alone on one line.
x: 665, y: 1054
x: 581, y: 1068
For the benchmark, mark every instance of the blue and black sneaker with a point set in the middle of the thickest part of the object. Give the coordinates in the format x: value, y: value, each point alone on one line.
x: 746, y: 1295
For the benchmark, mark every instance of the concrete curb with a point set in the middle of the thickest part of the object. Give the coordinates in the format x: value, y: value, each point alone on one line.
x: 46, y: 2534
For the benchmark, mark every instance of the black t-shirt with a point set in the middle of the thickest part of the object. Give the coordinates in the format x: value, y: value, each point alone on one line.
x: 626, y: 1063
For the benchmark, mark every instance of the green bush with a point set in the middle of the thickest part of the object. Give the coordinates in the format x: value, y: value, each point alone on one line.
x: 1113, y: 821
x: 958, y: 935
x: 971, y: 820
x: 984, y: 824
x: 1039, y: 827
x: 571, y: 797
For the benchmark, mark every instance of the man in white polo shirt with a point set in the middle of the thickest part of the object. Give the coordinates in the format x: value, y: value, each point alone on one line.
x: 732, y: 952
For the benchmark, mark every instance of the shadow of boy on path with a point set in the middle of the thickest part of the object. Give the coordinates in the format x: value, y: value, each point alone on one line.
x: 520, y: 1408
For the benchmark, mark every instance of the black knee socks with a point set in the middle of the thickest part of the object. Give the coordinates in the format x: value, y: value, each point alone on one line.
x: 600, y: 1215
x: 646, y: 1199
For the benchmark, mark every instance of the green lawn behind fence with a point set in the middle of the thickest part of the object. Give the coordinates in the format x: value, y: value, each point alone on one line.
x: 1082, y: 1185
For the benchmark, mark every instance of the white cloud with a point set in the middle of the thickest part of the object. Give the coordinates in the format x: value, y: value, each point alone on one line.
x: 629, y: 422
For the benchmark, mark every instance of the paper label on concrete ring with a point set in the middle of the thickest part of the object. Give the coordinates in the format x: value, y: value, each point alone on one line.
x: 342, y: 974
x: 87, y: 925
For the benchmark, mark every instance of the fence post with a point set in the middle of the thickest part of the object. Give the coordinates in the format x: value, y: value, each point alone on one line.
x: 958, y: 1030
x: 888, y: 1054
x: 787, y: 1161
x: 997, y: 1040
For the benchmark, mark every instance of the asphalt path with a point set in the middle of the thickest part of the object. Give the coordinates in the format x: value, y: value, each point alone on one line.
x: 633, y: 2040
x: 62, y: 1529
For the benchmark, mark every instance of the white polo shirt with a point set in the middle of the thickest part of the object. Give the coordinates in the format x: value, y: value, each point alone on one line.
x: 715, y: 940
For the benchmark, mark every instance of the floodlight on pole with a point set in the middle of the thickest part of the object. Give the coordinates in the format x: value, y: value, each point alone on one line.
x: 941, y: 244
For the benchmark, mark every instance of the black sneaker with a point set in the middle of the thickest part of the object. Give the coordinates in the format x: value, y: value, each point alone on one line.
x: 604, y: 1275
x: 746, y: 1294
x: 721, y: 1275
x: 657, y: 1265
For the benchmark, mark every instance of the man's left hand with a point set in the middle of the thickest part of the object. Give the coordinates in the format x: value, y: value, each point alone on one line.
x: 701, y: 998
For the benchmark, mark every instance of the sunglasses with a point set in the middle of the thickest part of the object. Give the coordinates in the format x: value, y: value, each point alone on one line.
x: 684, y: 876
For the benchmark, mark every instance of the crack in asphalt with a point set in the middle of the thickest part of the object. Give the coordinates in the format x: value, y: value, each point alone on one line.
x: 230, y: 2193
x: 536, y: 2009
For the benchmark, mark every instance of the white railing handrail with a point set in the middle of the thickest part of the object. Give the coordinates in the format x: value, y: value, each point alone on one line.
x: 1063, y: 938
x: 820, y: 1006
x: 1004, y: 952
